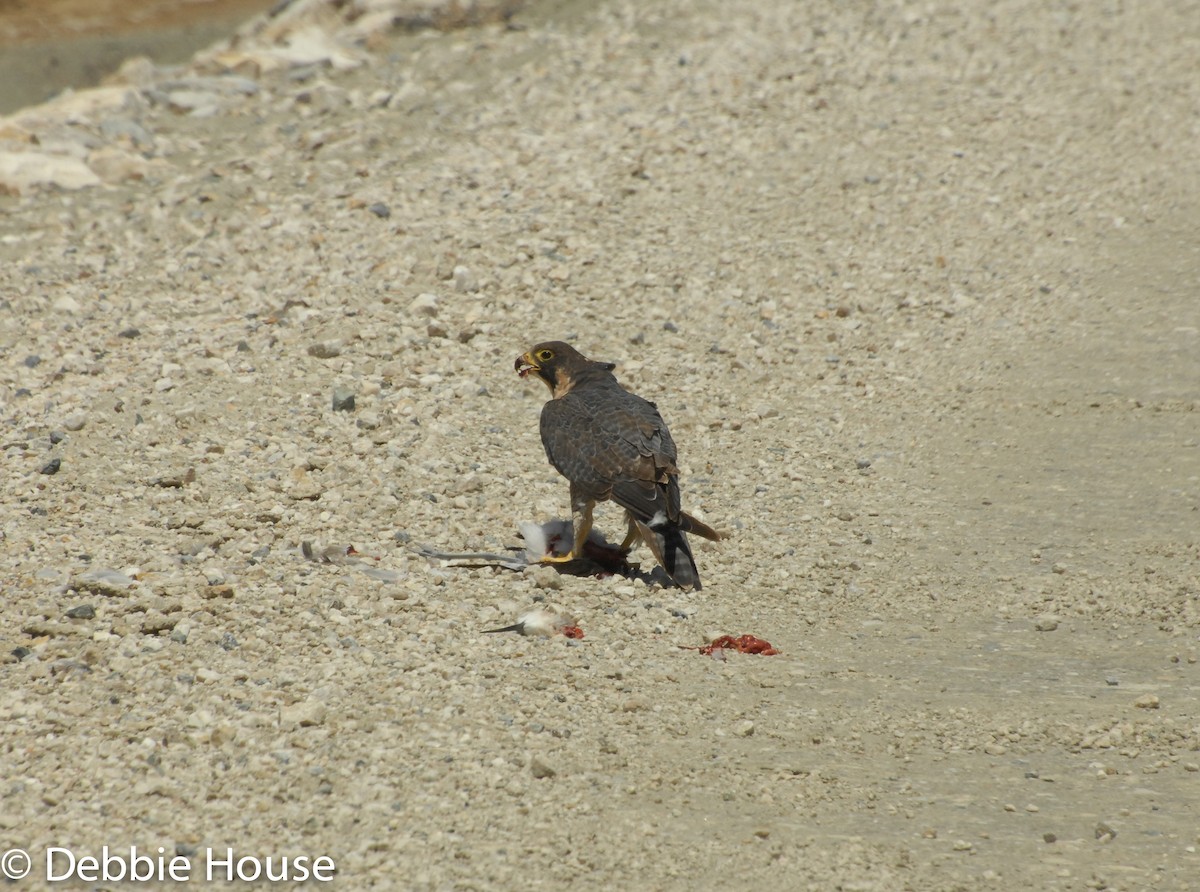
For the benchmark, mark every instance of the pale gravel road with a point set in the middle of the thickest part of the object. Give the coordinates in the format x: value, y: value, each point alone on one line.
x: 914, y: 285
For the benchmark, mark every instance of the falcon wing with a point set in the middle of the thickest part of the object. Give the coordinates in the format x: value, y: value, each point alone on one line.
x: 575, y: 445
x: 613, y: 444
x: 649, y: 487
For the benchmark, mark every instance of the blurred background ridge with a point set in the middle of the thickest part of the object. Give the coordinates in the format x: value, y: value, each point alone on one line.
x: 47, y: 46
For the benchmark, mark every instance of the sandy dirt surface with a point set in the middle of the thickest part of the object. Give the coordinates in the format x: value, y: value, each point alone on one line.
x: 915, y: 286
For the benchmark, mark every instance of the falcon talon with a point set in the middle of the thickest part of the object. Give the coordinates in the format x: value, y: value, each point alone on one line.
x: 612, y: 444
x: 557, y: 559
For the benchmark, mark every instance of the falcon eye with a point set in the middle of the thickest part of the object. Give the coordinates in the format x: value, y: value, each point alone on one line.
x: 546, y: 355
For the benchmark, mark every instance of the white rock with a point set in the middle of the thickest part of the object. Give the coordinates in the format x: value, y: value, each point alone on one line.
x: 77, y: 106
x: 305, y: 714
x: 370, y: 24
x: 465, y: 280
x: 137, y: 71
x: 310, y: 45
x: 21, y: 171
x: 116, y: 166
x: 424, y: 305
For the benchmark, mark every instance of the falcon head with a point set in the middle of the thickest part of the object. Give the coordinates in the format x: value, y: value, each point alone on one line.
x: 557, y: 363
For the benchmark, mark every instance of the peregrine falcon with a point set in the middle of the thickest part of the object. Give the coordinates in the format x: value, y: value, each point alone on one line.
x: 612, y: 444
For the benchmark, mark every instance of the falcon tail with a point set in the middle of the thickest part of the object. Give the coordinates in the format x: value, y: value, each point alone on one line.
x: 670, y: 547
x: 690, y: 524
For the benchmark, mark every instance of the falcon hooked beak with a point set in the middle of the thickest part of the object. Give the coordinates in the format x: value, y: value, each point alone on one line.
x: 525, y: 364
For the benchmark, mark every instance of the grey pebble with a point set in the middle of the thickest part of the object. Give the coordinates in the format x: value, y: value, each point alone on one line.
x: 57, y: 437
x: 228, y: 642
x: 103, y: 581
x: 325, y: 349
x: 114, y: 128
x: 32, y: 361
x: 52, y: 466
x: 381, y: 210
x: 82, y: 611
x: 343, y: 399
x: 174, y: 481
x: 154, y: 621
x: 200, y: 103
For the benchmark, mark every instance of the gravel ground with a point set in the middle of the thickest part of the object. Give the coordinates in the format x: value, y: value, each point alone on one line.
x: 914, y: 285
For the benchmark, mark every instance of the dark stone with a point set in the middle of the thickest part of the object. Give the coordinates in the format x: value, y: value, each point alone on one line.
x: 343, y: 399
